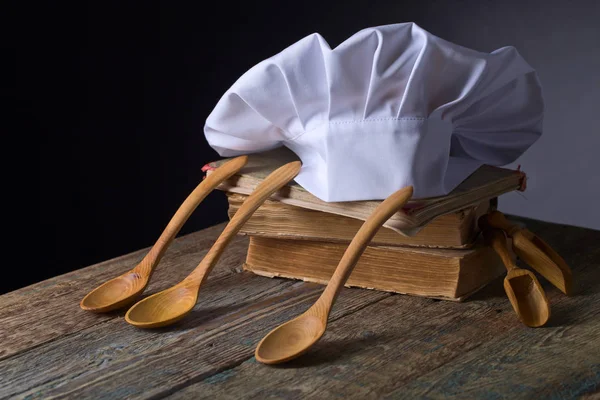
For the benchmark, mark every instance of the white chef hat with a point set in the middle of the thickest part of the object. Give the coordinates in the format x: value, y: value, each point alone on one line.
x: 389, y: 107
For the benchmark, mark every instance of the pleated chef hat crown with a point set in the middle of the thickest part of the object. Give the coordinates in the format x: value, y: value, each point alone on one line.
x: 389, y: 107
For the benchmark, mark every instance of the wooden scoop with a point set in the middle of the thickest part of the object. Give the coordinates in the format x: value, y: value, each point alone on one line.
x: 295, y: 337
x: 534, y: 251
x: 125, y: 289
x: 521, y: 286
x: 169, y: 306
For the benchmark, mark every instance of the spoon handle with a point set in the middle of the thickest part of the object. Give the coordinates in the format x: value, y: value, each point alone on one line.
x: 275, y: 181
x: 496, y: 219
x: 230, y: 168
x: 358, y: 245
x: 534, y: 251
x: 496, y: 239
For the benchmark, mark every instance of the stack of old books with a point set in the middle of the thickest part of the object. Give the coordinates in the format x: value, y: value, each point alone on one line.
x: 432, y: 248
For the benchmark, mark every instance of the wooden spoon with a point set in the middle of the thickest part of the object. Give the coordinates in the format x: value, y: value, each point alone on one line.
x: 521, y: 286
x: 535, y: 252
x: 169, y: 306
x: 125, y: 289
x: 295, y: 337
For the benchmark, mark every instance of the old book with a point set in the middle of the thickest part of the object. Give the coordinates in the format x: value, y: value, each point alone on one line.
x: 486, y: 183
x: 283, y: 221
x: 436, y: 273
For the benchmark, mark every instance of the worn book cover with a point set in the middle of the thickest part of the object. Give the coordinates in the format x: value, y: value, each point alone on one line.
x: 437, y: 273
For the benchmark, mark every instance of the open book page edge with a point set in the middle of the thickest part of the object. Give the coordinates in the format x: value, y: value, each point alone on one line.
x: 408, y: 222
x: 401, y: 222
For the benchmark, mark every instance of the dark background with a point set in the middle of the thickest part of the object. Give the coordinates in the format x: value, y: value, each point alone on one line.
x: 117, y: 94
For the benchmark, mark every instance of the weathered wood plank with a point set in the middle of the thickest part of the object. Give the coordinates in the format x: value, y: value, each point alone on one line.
x: 50, y: 309
x: 115, y: 340
x: 366, y: 354
x: 403, y: 347
x: 379, y: 360
x: 450, y: 354
x: 376, y: 345
x: 117, y: 360
x: 561, y: 360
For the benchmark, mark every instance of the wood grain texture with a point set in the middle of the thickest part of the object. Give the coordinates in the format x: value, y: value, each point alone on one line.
x: 450, y: 275
x: 46, y: 310
x: 172, y: 304
x: 534, y: 251
x: 521, y: 286
x: 125, y: 289
x: 295, y: 337
x: 234, y: 312
x: 405, y: 347
x: 377, y: 345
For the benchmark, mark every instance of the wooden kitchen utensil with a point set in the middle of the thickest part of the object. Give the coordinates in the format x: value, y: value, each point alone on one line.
x: 170, y: 305
x: 295, y: 337
x: 125, y: 289
x: 521, y: 286
x: 534, y: 251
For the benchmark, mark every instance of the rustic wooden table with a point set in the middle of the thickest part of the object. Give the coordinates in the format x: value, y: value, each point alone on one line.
x: 377, y: 344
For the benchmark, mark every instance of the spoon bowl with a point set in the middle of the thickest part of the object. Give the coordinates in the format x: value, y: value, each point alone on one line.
x: 291, y: 339
x: 527, y: 298
x: 116, y: 293
x: 294, y: 338
x: 125, y: 289
x: 171, y: 305
x: 533, y: 251
x: 163, y: 308
x: 521, y: 286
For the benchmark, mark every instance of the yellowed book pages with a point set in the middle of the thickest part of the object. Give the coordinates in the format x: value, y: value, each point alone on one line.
x: 283, y: 221
x: 442, y: 274
x: 486, y: 183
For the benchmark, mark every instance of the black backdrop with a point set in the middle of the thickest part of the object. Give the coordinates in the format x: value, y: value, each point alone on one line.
x: 117, y: 94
